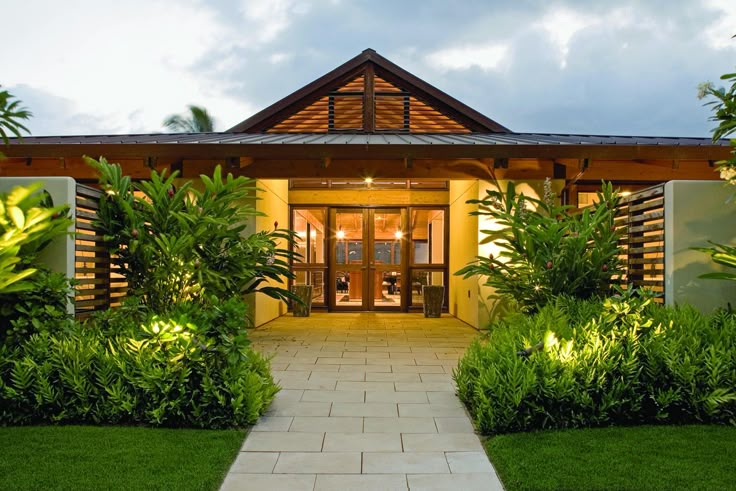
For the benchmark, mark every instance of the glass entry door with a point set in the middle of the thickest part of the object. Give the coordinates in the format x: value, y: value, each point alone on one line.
x: 367, y: 263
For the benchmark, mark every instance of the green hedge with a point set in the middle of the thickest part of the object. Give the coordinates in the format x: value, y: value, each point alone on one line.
x: 597, y: 363
x: 193, y: 370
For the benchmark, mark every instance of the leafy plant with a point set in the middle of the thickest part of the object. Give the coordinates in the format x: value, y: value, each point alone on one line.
x: 723, y: 103
x: 721, y: 254
x: 190, y: 368
x: 618, y: 361
x: 545, y: 250
x: 28, y: 222
x: 179, y: 245
x: 41, y: 308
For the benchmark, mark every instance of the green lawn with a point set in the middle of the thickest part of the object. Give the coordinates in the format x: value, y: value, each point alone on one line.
x: 115, y: 457
x: 635, y: 458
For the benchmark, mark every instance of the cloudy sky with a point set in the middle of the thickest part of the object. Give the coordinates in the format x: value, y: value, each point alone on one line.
x: 585, y: 66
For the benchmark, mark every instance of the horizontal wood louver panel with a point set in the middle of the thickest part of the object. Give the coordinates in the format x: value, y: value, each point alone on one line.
x: 426, y: 119
x: 391, y: 113
x: 347, y: 113
x: 382, y: 86
x: 311, y: 119
x: 640, y: 223
x: 394, y: 110
x: 99, y: 282
x: 355, y: 85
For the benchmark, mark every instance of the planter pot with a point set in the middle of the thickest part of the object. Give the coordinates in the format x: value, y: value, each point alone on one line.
x: 304, y: 292
x: 434, y: 296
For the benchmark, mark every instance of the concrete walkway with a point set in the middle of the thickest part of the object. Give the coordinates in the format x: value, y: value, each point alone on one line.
x: 367, y: 403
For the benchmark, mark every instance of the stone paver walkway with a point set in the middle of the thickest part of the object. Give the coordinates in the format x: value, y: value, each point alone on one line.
x: 367, y: 403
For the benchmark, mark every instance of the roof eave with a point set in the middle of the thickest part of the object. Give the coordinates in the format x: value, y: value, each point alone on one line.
x: 372, y: 151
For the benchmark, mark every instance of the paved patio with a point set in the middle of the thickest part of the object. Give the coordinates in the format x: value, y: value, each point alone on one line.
x: 367, y: 403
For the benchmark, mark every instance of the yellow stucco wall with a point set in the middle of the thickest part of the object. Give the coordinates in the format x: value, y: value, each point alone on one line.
x: 463, y: 294
x: 273, y: 203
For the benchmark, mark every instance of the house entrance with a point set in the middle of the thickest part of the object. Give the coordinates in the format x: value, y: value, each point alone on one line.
x: 370, y: 258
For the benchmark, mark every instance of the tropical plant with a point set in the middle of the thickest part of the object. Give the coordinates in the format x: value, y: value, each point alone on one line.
x: 11, y: 114
x: 192, y: 368
x: 40, y: 308
x: 723, y: 103
x: 178, y: 245
x: 197, y: 121
x: 545, y: 250
x: 28, y: 222
x: 618, y: 361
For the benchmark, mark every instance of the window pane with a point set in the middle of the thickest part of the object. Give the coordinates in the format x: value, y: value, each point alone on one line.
x: 349, y: 237
x: 348, y: 288
x: 421, y: 278
x: 428, y: 236
x: 309, y: 225
x: 308, y: 183
x: 316, y: 278
x: 388, y: 233
x: 428, y: 184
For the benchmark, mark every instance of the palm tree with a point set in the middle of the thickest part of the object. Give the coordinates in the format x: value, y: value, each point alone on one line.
x: 10, y: 115
x: 197, y: 121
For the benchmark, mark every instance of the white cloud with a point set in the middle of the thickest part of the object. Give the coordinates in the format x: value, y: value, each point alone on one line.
x: 486, y: 57
x: 269, y: 18
x: 277, y: 58
x: 562, y: 25
x: 719, y: 33
x: 129, y: 64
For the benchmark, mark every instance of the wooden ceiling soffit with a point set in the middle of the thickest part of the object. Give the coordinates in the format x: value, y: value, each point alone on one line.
x: 381, y: 169
x: 437, y: 110
x: 77, y: 168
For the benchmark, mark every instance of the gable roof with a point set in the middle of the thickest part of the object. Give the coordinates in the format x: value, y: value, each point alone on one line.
x: 369, y: 62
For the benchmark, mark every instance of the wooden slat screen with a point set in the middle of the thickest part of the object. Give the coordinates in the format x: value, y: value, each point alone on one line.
x: 640, y: 222
x: 394, y: 110
x: 100, y: 285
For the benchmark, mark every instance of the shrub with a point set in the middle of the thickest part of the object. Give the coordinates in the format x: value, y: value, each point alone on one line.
x: 545, y: 251
x: 621, y: 360
x: 179, y: 245
x: 28, y: 222
x: 40, y: 308
x: 32, y: 298
x: 188, y: 369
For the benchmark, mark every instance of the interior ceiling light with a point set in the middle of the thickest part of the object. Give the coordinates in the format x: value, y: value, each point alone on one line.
x: 340, y: 234
x: 398, y: 234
